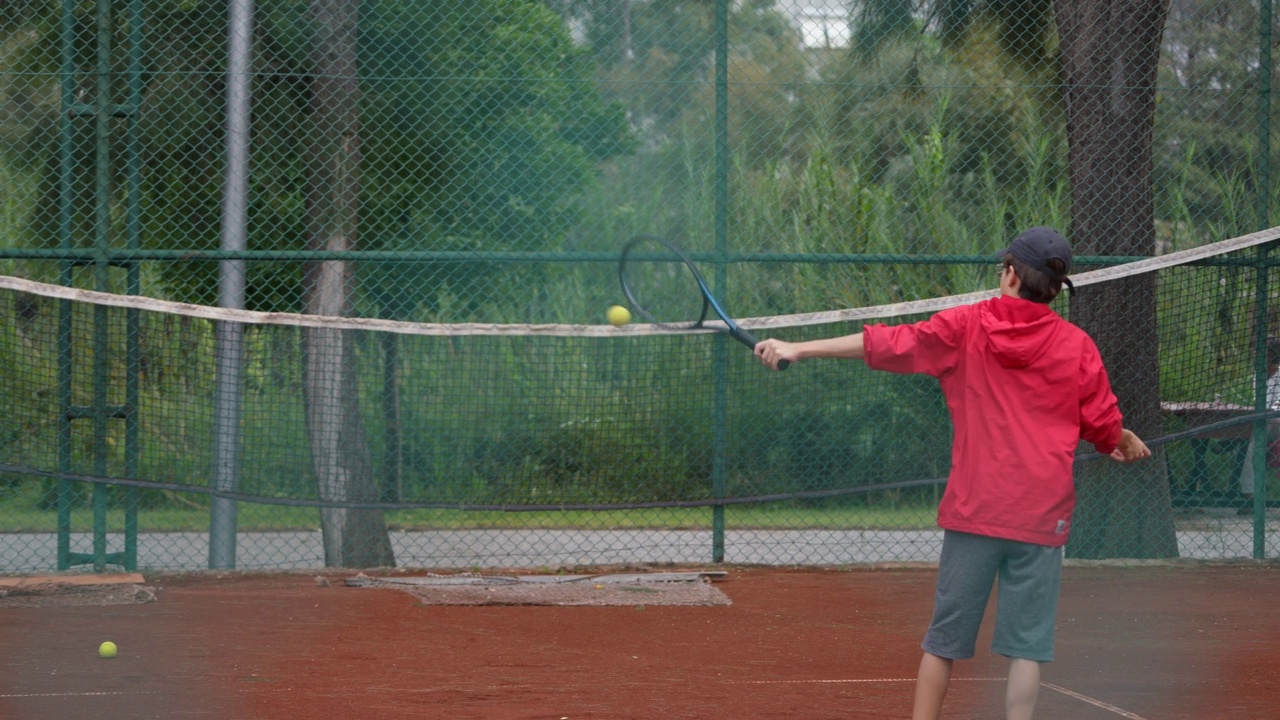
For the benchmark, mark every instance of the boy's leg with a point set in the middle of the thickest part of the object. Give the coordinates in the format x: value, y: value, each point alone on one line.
x: 931, y: 687
x: 967, y: 569
x: 1026, y: 612
x: 1024, y: 688
x: 1027, y: 601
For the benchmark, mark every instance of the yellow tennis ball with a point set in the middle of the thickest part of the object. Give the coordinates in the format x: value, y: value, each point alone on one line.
x: 107, y: 649
x: 619, y: 316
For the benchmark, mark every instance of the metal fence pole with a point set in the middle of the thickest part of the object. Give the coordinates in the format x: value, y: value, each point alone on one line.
x: 1262, y: 185
x: 1262, y: 204
x: 719, y: 459
x: 1261, y: 380
x: 133, y: 281
x: 231, y: 293
x: 66, y: 166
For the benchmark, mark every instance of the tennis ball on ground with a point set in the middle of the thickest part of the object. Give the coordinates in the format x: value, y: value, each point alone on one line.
x: 619, y: 316
x: 107, y: 649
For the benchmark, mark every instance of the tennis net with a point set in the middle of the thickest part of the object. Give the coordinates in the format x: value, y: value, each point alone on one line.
x: 360, y: 440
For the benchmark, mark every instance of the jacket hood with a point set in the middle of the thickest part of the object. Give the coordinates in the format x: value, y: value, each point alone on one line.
x: 1018, y: 331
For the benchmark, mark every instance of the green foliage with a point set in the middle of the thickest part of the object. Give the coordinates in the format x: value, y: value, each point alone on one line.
x: 1206, y: 125
x: 494, y: 129
x: 480, y: 126
x: 668, y: 41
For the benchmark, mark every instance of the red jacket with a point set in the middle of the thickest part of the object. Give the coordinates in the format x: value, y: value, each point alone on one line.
x: 1023, y: 386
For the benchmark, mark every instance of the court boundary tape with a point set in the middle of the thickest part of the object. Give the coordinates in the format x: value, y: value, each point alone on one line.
x: 1093, y: 701
x: 852, y: 680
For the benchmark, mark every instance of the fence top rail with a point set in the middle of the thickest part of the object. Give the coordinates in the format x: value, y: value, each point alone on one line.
x: 138, y: 302
x: 516, y: 257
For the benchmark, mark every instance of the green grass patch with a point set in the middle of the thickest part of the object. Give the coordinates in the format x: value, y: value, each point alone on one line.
x: 15, y: 519
x: 257, y: 518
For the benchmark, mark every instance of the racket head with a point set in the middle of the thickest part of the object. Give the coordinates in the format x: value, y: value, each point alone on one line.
x: 664, y: 287
x: 661, y: 284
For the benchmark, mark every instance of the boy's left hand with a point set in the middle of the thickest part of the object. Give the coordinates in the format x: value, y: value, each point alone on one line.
x: 1130, y: 448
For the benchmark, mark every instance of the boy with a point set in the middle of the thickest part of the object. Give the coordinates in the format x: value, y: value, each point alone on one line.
x: 1023, y: 386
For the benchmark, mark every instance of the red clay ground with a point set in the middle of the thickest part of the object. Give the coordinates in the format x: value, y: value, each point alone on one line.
x: 1142, y: 643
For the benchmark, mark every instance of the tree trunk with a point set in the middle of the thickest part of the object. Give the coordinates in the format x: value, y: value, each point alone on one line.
x: 340, y: 453
x: 1110, y: 50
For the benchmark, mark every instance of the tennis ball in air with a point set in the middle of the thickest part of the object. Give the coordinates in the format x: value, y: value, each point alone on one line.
x: 619, y: 316
x: 107, y: 649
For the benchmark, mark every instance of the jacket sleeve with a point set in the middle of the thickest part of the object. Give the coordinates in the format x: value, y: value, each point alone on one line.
x: 1100, y: 417
x: 931, y: 347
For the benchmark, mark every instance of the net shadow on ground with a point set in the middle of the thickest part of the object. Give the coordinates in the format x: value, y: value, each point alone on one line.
x: 661, y: 588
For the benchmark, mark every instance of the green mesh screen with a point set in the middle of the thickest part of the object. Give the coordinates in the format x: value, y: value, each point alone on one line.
x: 460, y: 166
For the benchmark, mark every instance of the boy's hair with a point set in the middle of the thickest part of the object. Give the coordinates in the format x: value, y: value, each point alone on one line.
x: 1273, y: 351
x: 1035, y: 285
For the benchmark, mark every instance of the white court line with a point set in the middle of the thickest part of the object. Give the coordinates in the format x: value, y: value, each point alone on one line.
x: 1056, y: 688
x: 265, y: 688
x: 1093, y: 701
x: 17, y: 696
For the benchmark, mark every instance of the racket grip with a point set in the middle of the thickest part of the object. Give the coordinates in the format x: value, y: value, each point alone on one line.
x: 746, y: 338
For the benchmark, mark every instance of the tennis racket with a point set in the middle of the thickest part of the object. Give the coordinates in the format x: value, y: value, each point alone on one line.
x: 664, y: 286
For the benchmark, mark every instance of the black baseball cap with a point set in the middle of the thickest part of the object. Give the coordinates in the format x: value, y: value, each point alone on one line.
x: 1036, y: 247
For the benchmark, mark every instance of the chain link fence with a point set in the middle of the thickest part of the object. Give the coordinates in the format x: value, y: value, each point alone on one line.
x: 196, y: 193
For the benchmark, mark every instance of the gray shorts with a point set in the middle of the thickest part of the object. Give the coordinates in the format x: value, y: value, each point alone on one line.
x: 1026, y: 602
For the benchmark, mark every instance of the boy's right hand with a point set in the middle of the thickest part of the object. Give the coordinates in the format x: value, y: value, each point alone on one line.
x: 1130, y: 448
x: 772, y: 351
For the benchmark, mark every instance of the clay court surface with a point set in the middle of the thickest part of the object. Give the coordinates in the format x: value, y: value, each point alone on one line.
x: 1145, y: 643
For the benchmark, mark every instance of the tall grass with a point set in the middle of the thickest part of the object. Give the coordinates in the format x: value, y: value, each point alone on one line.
x: 16, y: 202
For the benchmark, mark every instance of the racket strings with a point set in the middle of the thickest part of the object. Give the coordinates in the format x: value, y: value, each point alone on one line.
x: 661, y: 287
